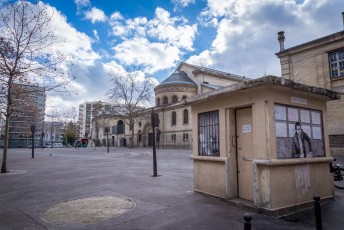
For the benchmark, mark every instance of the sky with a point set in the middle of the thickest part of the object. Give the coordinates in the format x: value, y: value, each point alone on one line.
x: 235, y: 36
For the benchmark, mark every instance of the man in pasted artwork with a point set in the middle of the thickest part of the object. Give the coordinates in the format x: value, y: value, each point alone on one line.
x: 298, y: 146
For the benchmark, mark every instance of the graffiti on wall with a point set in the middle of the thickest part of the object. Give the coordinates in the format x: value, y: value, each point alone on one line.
x: 299, y: 132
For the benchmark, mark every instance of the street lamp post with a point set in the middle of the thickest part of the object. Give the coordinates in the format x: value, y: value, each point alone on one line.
x: 155, y: 123
x: 42, y: 139
x: 33, y: 130
x: 107, y: 138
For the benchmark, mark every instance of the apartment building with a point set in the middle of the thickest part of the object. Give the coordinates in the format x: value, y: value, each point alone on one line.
x: 87, y: 112
x: 27, y: 110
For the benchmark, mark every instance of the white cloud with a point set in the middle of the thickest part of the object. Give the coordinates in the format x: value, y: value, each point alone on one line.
x: 246, y: 40
x: 82, y: 2
x: 153, y: 56
x: 183, y: 3
x: 126, y: 28
x: 95, y: 34
x: 173, y: 30
x: 81, y: 5
x: 116, y: 16
x: 75, y: 45
x: 164, y: 28
x: 95, y: 15
x: 156, y: 44
x: 81, y: 62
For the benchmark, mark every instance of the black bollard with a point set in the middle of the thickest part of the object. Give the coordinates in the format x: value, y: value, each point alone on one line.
x: 317, y: 209
x: 247, y: 224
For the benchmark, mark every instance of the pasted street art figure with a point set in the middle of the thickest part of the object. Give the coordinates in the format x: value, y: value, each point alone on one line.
x: 298, y: 144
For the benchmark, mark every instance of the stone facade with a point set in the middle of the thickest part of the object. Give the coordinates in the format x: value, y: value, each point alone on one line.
x: 175, y: 129
x: 310, y: 63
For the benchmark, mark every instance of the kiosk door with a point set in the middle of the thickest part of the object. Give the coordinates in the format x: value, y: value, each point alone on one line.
x: 245, y: 153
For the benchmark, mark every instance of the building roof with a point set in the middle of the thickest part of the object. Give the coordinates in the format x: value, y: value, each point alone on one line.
x: 266, y: 81
x: 178, y: 78
x: 210, y: 86
x: 212, y: 72
x: 317, y: 42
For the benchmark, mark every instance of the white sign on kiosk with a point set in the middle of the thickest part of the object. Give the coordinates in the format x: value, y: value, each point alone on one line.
x: 247, y: 128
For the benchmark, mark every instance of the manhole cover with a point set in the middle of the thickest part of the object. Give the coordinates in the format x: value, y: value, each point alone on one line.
x: 87, y: 210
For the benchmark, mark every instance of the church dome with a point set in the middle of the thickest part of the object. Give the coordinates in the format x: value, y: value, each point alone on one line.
x: 178, y: 78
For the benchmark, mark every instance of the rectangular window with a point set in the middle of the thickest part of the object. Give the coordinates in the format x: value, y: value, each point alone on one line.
x: 208, y: 131
x: 336, y: 63
x: 185, y: 136
x: 289, y: 119
x: 173, y: 137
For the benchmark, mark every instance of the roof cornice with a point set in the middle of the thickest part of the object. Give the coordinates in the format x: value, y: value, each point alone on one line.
x: 211, y: 72
x: 314, y: 43
x: 265, y: 81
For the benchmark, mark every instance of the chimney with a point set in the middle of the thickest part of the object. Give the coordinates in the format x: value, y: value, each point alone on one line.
x: 281, y: 39
x: 343, y: 18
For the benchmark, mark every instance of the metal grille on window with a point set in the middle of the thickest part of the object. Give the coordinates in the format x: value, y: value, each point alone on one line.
x: 208, y: 129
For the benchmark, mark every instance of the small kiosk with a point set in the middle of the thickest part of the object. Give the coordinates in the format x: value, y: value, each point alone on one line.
x: 263, y: 143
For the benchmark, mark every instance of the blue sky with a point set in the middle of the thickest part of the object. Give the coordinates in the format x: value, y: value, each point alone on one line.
x: 234, y: 36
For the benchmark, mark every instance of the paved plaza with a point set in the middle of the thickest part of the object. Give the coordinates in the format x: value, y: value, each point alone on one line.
x: 116, y: 190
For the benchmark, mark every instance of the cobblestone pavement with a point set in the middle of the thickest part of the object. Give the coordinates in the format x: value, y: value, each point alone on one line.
x: 61, y: 175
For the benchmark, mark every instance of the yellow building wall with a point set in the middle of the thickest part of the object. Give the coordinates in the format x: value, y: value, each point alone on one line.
x: 272, y: 177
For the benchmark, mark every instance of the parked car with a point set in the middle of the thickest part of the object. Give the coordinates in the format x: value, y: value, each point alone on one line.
x: 38, y: 146
x: 78, y: 144
x: 55, y: 145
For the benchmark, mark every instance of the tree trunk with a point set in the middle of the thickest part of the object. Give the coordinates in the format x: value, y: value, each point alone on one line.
x: 4, y: 157
x: 132, y: 136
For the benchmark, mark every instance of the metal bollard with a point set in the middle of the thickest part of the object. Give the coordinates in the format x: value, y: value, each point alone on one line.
x: 247, y: 224
x: 317, y: 209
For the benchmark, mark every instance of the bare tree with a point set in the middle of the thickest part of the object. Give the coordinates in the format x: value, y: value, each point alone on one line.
x: 28, y: 55
x: 70, y: 126
x: 70, y: 133
x: 128, y: 94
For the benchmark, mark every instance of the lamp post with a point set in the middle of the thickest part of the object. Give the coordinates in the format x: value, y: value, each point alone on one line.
x: 42, y: 139
x: 33, y: 130
x: 155, y: 123
x: 107, y: 129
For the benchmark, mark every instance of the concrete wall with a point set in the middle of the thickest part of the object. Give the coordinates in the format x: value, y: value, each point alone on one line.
x: 210, y: 169
x: 272, y: 177
x: 289, y: 184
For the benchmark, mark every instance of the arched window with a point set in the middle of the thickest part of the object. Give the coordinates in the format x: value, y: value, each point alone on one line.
x: 184, y: 97
x: 120, y: 127
x: 186, y: 116
x: 165, y: 100
x: 174, y: 118
x: 158, y: 102
x: 174, y: 99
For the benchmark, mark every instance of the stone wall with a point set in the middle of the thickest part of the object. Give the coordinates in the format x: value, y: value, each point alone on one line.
x: 337, y: 141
